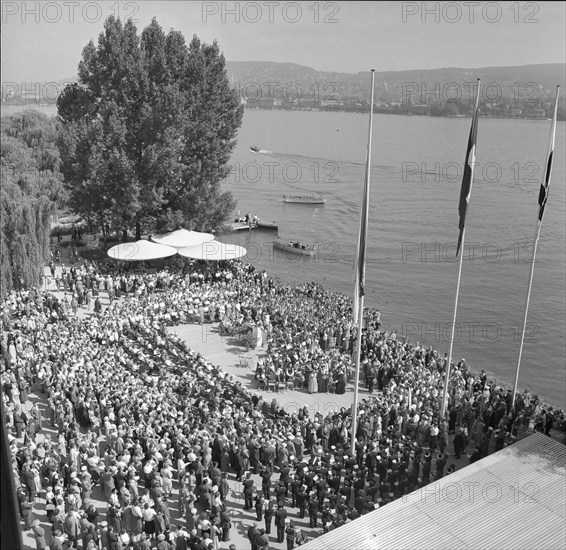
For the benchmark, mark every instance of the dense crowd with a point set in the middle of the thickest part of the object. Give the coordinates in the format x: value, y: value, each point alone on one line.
x: 150, y: 425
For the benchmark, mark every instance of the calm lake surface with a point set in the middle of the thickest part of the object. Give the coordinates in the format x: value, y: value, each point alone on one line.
x: 413, y: 227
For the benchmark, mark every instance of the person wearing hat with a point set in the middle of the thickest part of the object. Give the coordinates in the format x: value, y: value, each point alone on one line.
x: 280, y: 517
x: 313, y: 511
x: 326, y: 518
x: 321, y: 490
x: 300, y: 538
x: 194, y: 540
x: 162, y: 508
x: 262, y: 540
x: 459, y: 443
x: 38, y: 533
x: 252, y: 534
x: 72, y: 527
x: 427, y: 467
x: 56, y: 540
x: 268, y: 455
x: 113, y: 538
x: 259, y: 506
x: 265, y: 475
x: 26, y: 511
x: 191, y: 519
x: 268, y: 515
x: 301, y: 500
x: 295, y: 488
x: 88, y: 530
x: 291, y: 535
x: 284, y: 475
x: 225, y: 525
x: 248, y: 491
x: 440, y: 464
x: 162, y: 544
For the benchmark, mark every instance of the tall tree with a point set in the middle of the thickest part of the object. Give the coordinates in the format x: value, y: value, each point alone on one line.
x: 149, y: 130
x: 30, y: 189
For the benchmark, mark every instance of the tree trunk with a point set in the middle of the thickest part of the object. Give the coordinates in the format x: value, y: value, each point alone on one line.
x: 138, y: 230
x: 124, y: 234
x: 104, y: 234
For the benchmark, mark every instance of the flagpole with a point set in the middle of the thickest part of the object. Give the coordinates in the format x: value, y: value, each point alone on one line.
x: 460, y: 251
x: 448, y: 366
x: 360, y: 298
x: 543, y: 195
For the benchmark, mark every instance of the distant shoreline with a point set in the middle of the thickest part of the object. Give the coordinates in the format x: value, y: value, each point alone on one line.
x: 7, y: 109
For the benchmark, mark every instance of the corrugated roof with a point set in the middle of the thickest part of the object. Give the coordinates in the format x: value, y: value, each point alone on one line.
x: 514, y: 499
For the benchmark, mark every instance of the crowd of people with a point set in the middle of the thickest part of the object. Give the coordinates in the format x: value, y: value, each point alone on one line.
x: 149, y: 426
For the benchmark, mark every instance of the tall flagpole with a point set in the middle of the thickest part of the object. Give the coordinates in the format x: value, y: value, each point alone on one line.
x: 464, y: 196
x: 359, y: 290
x: 543, y: 196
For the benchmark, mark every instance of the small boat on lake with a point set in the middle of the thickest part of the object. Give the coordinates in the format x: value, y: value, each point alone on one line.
x: 254, y: 224
x: 256, y: 149
x: 295, y: 247
x: 304, y: 199
x: 267, y: 226
x: 241, y: 226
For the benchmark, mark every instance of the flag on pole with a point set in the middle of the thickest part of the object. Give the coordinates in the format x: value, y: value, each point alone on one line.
x: 542, y: 198
x: 360, y: 259
x: 543, y: 194
x: 466, y: 190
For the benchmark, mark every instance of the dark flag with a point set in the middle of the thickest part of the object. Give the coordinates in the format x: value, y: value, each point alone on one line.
x: 360, y: 260
x: 542, y: 198
x: 543, y: 194
x: 467, y: 180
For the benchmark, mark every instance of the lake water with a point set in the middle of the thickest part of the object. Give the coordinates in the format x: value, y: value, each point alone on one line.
x: 413, y: 227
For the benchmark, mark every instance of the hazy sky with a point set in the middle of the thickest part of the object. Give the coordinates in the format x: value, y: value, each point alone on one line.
x: 42, y: 41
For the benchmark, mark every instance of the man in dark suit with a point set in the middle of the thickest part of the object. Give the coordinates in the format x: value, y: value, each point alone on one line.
x: 253, y: 532
x: 268, y: 455
x: 285, y: 471
x: 215, y: 474
x: 268, y: 515
x: 262, y: 540
x: 280, y: 516
x: 301, y: 499
x: 291, y: 534
x: 217, y: 449
x: 295, y: 488
x: 326, y: 519
x: 248, y: 491
x: 313, y: 511
x: 280, y: 492
x: 265, y: 475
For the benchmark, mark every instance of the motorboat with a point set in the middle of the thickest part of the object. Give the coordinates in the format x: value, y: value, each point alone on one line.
x: 257, y: 150
x: 267, y: 226
x: 304, y: 199
x: 254, y: 224
x: 241, y: 226
x: 295, y: 247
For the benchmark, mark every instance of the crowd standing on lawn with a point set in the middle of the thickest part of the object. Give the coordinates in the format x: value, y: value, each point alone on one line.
x: 150, y: 426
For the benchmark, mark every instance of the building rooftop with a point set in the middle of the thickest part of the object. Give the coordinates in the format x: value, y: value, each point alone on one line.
x: 514, y: 499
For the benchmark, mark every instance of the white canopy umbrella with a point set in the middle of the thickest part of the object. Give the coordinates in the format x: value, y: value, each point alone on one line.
x: 213, y: 250
x: 182, y: 238
x: 140, y: 251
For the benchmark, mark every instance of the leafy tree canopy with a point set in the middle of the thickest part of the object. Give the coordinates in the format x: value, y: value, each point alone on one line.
x: 148, y: 131
x: 30, y: 189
